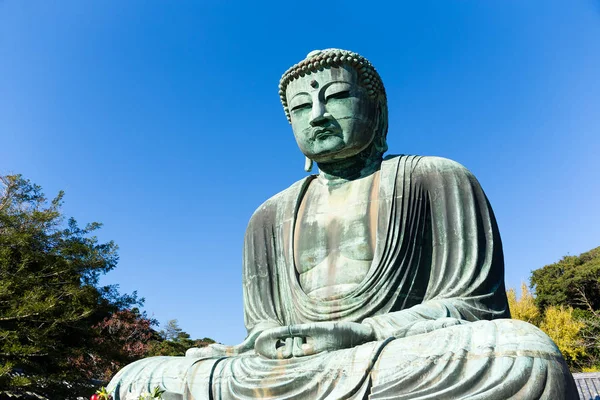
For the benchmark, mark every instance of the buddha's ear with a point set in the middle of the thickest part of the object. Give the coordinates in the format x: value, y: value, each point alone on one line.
x: 308, y: 164
x: 381, y: 126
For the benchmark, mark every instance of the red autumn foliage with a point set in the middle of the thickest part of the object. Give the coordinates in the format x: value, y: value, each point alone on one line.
x: 119, y: 339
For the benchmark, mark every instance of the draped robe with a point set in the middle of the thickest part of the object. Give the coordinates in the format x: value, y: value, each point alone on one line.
x: 438, y: 257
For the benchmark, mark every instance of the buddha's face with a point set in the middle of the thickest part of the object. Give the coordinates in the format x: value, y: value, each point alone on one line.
x: 332, y: 116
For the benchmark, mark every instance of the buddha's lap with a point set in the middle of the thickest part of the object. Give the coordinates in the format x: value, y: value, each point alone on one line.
x: 487, y: 348
x: 501, y: 359
x: 497, y: 345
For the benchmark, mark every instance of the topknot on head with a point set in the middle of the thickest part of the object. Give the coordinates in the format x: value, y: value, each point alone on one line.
x: 319, y: 59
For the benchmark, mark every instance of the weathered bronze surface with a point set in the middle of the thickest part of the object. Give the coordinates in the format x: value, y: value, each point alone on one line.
x: 375, y: 278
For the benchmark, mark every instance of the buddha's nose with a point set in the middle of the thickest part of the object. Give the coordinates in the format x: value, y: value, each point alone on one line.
x: 318, y: 114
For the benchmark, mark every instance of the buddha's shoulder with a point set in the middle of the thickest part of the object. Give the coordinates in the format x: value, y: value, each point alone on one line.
x: 281, y: 201
x: 427, y: 166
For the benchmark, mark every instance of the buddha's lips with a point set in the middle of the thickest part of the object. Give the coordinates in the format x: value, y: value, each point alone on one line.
x: 321, y: 133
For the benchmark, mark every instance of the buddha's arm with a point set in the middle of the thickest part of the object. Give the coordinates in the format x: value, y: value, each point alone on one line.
x: 418, y: 319
x: 259, y: 285
x: 466, y: 278
x: 219, y: 350
x: 262, y: 306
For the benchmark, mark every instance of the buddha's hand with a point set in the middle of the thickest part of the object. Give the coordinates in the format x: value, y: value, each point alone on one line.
x: 221, y: 350
x: 307, y: 339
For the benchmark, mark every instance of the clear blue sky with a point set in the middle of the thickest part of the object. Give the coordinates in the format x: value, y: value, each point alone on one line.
x: 162, y: 121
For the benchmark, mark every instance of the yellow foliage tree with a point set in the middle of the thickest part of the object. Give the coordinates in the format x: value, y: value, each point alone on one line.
x: 564, y: 330
x: 556, y: 322
x: 523, y: 308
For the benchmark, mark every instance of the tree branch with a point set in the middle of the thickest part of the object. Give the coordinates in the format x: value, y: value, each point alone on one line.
x: 586, y: 302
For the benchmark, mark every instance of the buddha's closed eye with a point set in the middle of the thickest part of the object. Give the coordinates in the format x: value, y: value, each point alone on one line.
x: 339, y: 95
x: 302, y: 106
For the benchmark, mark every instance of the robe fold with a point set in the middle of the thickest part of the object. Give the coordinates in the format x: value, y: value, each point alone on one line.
x: 437, y: 254
x: 434, y: 296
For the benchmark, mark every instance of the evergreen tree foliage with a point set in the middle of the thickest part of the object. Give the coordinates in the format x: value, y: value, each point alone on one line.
x: 173, y: 341
x: 50, y: 298
x: 573, y: 281
x: 590, y: 334
x: 172, y: 331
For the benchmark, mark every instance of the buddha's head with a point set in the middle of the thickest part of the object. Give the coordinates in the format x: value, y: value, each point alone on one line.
x: 335, y: 101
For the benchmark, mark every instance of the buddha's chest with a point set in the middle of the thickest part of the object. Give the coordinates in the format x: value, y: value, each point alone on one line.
x: 334, y: 236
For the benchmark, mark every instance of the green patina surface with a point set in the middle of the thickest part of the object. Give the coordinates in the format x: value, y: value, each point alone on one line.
x: 374, y: 278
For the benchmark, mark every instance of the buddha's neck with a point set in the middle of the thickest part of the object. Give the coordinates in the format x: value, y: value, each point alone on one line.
x: 349, y: 169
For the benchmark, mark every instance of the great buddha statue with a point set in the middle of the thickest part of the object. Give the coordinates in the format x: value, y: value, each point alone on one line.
x: 377, y: 278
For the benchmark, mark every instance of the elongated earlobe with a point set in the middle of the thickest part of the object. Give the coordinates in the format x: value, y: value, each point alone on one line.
x: 308, y: 164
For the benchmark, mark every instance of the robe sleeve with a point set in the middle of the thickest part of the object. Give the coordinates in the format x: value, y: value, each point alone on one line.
x: 260, y: 279
x: 466, y: 275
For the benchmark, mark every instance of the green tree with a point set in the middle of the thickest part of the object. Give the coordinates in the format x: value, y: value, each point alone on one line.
x: 590, y: 334
x: 573, y: 281
x: 49, y: 293
x: 172, y: 331
x: 173, y: 341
